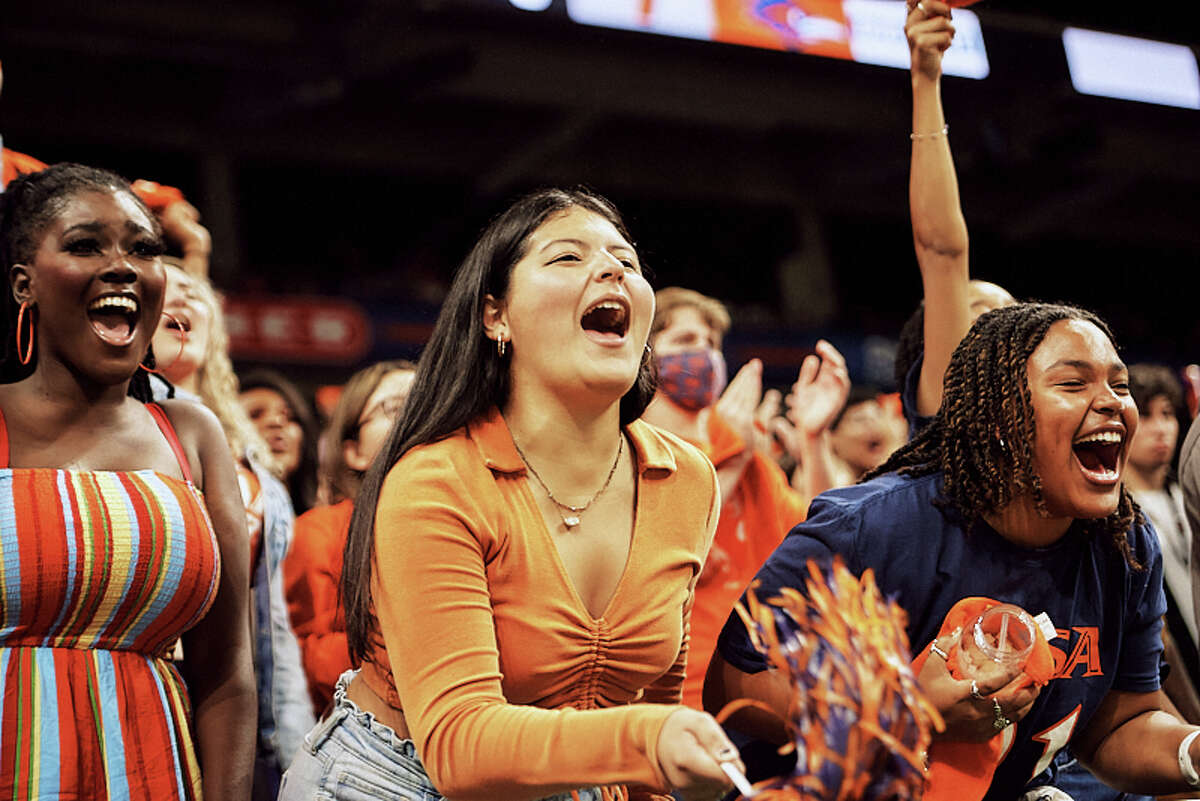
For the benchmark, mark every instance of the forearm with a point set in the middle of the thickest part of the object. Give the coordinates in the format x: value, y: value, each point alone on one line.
x: 226, y: 725
x: 1154, y: 736
x: 937, y: 218
x: 815, y: 457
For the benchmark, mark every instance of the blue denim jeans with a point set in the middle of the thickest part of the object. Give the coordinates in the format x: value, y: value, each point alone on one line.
x: 350, y: 756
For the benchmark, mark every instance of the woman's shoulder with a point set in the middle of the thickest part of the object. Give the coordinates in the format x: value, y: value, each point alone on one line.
x: 659, y: 448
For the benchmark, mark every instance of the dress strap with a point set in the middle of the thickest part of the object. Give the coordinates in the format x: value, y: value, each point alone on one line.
x: 168, y: 430
x: 3, y: 441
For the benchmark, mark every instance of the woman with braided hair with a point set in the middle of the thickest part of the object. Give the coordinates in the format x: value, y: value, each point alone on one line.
x: 121, y: 527
x: 1014, y: 493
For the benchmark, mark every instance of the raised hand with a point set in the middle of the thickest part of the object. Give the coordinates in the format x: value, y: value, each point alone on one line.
x: 930, y: 33
x: 820, y: 391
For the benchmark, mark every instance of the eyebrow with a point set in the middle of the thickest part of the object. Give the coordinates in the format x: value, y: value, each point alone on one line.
x: 95, y: 226
x: 1080, y: 364
x: 582, y: 244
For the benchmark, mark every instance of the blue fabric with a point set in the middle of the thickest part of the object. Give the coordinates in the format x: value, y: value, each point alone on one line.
x: 908, y: 399
x: 1108, y: 616
x: 350, y: 756
x: 1068, y: 775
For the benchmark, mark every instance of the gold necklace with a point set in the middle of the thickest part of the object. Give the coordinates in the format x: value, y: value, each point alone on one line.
x: 571, y: 519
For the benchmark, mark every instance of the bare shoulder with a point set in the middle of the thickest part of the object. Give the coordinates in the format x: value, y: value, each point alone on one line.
x: 193, y: 422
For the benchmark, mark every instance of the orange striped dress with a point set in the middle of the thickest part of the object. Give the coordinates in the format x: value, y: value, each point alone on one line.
x: 100, y: 572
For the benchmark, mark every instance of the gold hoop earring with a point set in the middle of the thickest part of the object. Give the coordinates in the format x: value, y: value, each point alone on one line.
x: 27, y: 356
x: 182, y: 344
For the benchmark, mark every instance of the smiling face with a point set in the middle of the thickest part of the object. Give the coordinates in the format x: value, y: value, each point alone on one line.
x: 181, y: 341
x: 578, y: 309
x: 97, y: 280
x: 1085, y: 418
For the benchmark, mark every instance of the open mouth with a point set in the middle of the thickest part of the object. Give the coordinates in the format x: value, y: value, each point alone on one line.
x: 178, y: 323
x: 1100, y: 455
x: 609, y: 318
x: 114, y: 318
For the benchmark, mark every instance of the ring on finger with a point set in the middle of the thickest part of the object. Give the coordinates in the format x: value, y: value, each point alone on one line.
x: 978, y: 696
x: 934, y: 649
x: 999, y: 721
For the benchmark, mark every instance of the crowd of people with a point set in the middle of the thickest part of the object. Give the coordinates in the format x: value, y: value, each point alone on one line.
x: 520, y: 567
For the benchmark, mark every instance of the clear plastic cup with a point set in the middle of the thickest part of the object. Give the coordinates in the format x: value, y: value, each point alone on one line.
x: 995, y: 643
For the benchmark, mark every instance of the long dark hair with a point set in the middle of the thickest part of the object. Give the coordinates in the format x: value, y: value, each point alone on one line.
x: 302, y: 483
x: 459, y: 377
x: 27, y: 207
x: 983, y: 436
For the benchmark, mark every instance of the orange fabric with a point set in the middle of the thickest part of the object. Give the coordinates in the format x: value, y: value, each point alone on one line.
x: 509, y: 687
x: 963, y: 771
x: 753, y: 521
x: 156, y: 196
x: 312, y: 571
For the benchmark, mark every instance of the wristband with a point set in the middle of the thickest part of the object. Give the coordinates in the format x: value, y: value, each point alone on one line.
x: 1186, y: 766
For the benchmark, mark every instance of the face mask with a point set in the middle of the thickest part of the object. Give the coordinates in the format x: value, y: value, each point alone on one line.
x: 692, y: 379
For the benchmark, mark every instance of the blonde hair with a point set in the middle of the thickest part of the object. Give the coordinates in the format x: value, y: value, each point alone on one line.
x: 217, y: 384
x: 668, y: 299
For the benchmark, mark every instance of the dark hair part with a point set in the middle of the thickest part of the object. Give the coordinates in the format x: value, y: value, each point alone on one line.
x: 302, y: 483
x: 342, y: 480
x: 27, y: 208
x: 1148, y: 381
x: 982, y: 439
x: 459, y: 377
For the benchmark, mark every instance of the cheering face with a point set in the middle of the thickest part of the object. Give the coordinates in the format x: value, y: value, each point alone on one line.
x: 1158, y: 430
x: 276, y: 422
x: 97, y: 279
x: 181, y: 342
x: 1085, y: 419
x: 578, y: 309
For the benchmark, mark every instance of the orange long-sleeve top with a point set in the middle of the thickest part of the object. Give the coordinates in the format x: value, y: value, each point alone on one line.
x: 761, y: 511
x: 312, y: 571
x: 510, y: 688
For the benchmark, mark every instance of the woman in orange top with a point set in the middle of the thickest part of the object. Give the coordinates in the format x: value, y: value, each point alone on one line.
x: 312, y: 568
x: 523, y: 553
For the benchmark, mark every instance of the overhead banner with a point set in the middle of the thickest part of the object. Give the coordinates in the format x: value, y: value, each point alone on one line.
x: 866, y: 31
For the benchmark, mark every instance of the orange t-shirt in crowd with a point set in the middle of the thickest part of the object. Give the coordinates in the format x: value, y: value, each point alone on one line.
x: 753, y: 521
x: 509, y: 686
x: 312, y: 571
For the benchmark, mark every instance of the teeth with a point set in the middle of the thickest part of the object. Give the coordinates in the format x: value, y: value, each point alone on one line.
x: 1102, y: 437
x: 607, y: 304
x: 114, y: 302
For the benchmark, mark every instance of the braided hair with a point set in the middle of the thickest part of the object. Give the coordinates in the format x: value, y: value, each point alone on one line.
x: 982, y: 439
x: 27, y: 207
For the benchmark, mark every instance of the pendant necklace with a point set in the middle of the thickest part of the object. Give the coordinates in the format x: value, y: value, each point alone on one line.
x: 571, y: 514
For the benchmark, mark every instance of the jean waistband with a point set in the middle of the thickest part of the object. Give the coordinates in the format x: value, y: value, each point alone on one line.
x: 344, y: 708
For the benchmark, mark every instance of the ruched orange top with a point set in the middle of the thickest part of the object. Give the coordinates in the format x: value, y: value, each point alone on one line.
x: 509, y: 687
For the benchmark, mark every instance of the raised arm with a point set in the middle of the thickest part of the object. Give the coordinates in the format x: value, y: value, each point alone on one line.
x: 939, y: 229
x: 218, y: 667
x: 817, y: 397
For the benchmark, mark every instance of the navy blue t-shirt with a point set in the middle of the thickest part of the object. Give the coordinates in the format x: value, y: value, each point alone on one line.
x: 1107, y: 615
x: 908, y: 399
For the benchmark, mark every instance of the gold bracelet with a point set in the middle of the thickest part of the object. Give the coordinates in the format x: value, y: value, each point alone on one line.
x: 934, y: 135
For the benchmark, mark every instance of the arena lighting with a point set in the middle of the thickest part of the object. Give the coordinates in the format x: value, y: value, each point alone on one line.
x: 531, y: 5
x: 1126, y: 68
x: 866, y: 31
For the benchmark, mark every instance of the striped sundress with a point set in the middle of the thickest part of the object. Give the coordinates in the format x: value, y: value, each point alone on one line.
x: 100, y: 572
